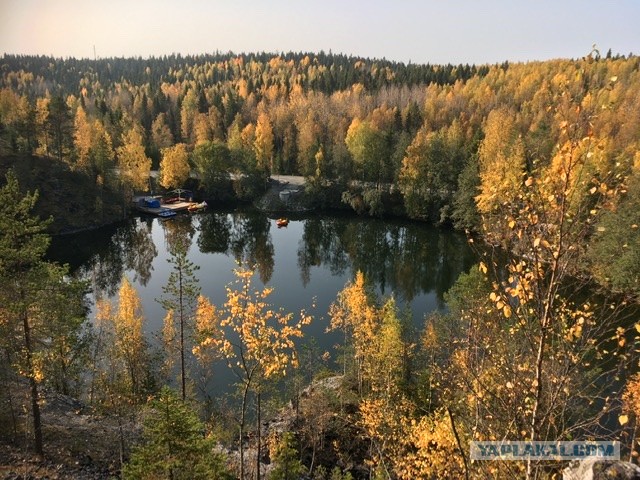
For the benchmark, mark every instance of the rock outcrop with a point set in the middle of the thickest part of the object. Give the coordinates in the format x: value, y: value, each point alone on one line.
x: 594, y: 469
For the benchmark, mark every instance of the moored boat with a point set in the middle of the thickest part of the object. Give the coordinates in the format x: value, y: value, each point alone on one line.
x: 282, y: 222
x: 197, y: 207
x: 166, y: 213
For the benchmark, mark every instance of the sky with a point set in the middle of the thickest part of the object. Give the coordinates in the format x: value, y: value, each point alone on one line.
x: 416, y: 31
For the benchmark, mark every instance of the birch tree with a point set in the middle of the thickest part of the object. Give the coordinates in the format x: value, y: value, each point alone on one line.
x: 174, y: 166
x: 256, y: 341
x: 133, y: 162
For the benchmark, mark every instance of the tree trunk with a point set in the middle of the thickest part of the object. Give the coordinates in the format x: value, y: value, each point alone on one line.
x: 545, y: 322
x: 538, y: 395
x: 121, y: 444
x: 258, y: 433
x: 6, y: 385
x: 182, y: 367
x: 33, y: 384
x: 459, y: 443
x: 242, y: 417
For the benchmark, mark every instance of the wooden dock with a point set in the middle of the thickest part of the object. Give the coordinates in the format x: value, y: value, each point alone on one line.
x: 164, y: 209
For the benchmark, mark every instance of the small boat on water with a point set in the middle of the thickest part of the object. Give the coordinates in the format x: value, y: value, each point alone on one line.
x: 282, y: 222
x: 166, y: 213
x: 197, y: 207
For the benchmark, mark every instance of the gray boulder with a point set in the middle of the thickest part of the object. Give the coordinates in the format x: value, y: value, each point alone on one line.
x: 595, y: 469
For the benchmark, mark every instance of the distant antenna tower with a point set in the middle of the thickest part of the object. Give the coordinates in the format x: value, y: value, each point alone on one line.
x: 94, y: 53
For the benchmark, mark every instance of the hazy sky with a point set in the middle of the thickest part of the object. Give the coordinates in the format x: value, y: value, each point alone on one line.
x: 420, y: 31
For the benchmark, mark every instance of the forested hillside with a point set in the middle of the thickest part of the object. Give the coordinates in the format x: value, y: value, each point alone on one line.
x: 356, y: 125
x: 540, y: 160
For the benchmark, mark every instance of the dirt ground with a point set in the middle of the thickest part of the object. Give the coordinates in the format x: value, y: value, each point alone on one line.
x: 78, y: 442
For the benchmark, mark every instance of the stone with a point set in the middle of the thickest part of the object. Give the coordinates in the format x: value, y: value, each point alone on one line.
x: 594, y: 469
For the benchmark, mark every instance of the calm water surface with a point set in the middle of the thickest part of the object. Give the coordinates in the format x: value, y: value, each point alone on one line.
x: 307, y: 263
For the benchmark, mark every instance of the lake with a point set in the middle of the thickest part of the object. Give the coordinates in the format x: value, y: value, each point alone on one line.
x: 307, y: 263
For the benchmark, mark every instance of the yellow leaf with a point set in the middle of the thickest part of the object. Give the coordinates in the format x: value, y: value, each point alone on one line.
x: 623, y: 419
x: 506, y: 311
x: 482, y: 267
x: 536, y: 242
x: 512, y: 223
x: 638, y: 327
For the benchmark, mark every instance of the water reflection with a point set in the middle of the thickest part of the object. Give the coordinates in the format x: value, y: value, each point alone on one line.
x: 138, y: 250
x: 404, y: 258
x: 245, y: 236
x: 178, y: 231
x: 215, y: 233
x: 102, y: 256
x: 407, y: 259
x: 250, y: 242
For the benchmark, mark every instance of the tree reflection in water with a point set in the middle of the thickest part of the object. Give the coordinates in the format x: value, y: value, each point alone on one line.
x: 403, y: 258
x: 246, y: 236
x: 178, y: 231
x: 407, y: 259
x: 102, y: 256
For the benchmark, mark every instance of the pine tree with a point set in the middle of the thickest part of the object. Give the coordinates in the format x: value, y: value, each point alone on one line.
x: 180, y: 297
x: 174, y: 446
x: 40, y: 308
x: 285, y: 456
x: 60, y: 126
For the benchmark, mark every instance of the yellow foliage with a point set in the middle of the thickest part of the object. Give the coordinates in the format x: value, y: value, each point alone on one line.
x: 174, y: 166
x: 169, y: 339
x: 132, y: 160
x: 202, y: 129
x: 122, y: 327
x: 355, y: 313
x: 435, y: 453
x: 82, y: 137
x: 631, y: 396
x: 263, y: 143
x: 129, y: 336
x: 387, y: 423
x: 501, y: 160
x: 265, y: 337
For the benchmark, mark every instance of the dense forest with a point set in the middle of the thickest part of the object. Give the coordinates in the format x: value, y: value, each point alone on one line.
x: 539, y: 162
